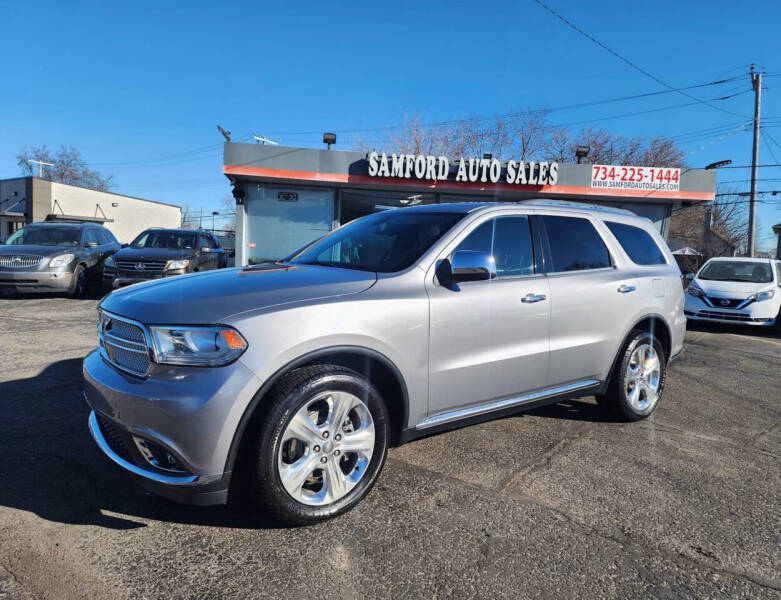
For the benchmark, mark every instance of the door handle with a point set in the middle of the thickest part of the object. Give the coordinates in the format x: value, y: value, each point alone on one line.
x: 529, y: 298
x: 625, y: 289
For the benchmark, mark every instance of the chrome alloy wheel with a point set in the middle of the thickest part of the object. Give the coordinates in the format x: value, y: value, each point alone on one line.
x: 326, y: 448
x: 642, y: 378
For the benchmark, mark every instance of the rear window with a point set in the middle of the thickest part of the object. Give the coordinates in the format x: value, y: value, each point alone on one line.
x: 639, y: 246
x: 574, y: 245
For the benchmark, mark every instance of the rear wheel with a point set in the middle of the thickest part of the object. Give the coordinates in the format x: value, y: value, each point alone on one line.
x: 638, y: 379
x: 78, y: 284
x: 321, y: 444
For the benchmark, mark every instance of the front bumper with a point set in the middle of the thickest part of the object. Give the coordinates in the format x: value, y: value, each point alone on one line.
x: 122, y: 278
x: 190, y: 412
x: 757, y: 314
x: 36, y: 281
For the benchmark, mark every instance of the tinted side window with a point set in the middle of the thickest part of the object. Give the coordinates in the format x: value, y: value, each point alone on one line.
x: 574, y: 244
x: 109, y: 236
x: 508, y: 240
x: 638, y: 245
x: 206, y: 241
x: 91, y: 236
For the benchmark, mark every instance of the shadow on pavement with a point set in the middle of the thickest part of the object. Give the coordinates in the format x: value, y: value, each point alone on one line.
x: 573, y: 410
x: 50, y: 465
x: 721, y: 328
x: 94, y: 292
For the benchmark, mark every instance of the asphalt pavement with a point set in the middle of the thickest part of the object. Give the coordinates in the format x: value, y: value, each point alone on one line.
x: 557, y: 502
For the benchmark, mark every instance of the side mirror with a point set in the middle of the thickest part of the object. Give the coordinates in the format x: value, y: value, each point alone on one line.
x: 124, y: 245
x: 206, y: 250
x: 689, y: 276
x: 91, y: 245
x: 468, y: 265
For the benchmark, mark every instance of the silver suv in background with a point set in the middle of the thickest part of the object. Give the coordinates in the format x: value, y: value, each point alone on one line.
x: 299, y: 374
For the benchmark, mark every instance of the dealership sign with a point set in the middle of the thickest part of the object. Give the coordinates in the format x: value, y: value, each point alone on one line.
x: 473, y: 170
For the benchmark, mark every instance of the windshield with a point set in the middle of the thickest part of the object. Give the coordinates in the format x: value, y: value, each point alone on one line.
x: 167, y: 240
x: 737, y: 270
x: 385, y: 242
x: 66, y: 237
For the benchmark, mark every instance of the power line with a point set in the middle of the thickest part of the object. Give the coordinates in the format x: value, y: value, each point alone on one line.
x: 530, y: 111
x: 749, y: 166
x: 626, y: 60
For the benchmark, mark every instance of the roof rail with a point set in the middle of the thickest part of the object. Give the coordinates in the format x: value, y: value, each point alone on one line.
x: 581, y: 206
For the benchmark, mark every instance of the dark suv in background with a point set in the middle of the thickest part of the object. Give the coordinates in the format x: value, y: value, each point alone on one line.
x: 157, y: 253
x: 55, y: 257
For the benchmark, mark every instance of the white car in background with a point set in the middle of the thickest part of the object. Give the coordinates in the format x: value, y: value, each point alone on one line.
x: 736, y: 290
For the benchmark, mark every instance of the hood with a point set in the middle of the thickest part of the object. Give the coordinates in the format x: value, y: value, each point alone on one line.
x: 40, y: 250
x: 211, y: 297
x: 731, y: 289
x: 151, y: 254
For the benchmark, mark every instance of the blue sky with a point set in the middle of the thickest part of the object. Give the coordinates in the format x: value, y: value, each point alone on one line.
x: 139, y: 87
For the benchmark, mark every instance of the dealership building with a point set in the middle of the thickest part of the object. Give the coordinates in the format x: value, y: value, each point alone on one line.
x: 287, y: 197
x: 30, y: 199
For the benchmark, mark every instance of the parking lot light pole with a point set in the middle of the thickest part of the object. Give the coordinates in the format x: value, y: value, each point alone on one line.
x: 214, y: 213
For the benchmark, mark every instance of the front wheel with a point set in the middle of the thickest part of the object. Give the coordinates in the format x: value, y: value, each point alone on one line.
x: 78, y: 284
x: 637, y: 383
x: 321, y: 444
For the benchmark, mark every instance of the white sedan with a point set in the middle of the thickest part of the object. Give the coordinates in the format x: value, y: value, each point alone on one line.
x: 736, y: 290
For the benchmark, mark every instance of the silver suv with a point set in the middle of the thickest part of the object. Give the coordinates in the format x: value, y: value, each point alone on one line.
x: 298, y: 375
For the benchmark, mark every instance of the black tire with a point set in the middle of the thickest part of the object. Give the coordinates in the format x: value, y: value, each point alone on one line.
x: 614, y: 402
x: 288, y: 396
x: 78, y: 285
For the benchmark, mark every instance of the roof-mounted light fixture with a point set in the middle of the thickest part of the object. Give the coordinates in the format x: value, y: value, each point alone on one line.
x: 329, y: 138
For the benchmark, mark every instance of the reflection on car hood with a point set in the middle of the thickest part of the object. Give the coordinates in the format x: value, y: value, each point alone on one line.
x: 724, y: 289
x: 151, y: 254
x: 212, y: 296
x: 41, y: 250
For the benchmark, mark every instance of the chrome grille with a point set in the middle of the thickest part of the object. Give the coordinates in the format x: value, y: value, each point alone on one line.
x: 142, y: 266
x: 124, y: 345
x: 20, y: 261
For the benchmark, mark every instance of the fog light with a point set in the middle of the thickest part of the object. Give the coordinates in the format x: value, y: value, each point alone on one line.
x: 157, y: 456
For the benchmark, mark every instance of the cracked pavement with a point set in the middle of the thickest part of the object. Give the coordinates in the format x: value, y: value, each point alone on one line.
x: 556, y: 502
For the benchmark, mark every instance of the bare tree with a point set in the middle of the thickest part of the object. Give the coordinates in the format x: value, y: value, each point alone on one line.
x: 611, y: 149
x: 712, y: 228
x: 228, y: 212
x: 526, y: 134
x: 67, y: 167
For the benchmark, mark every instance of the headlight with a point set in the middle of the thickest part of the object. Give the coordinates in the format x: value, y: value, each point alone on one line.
x: 177, y: 264
x: 61, y: 260
x: 695, y: 290
x: 197, y: 346
x: 110, y: 262
x: 760, y: 296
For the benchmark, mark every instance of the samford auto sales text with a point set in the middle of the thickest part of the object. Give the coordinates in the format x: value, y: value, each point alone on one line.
x: 484, y: 170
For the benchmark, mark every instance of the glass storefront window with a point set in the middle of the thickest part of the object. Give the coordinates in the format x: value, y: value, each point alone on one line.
x: 280, y: 220
x: 359, y: 203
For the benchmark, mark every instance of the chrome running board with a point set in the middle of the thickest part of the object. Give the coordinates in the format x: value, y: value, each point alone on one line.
x: 472, y: 411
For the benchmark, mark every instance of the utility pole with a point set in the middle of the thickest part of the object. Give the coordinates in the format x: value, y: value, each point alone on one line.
x: 756, y: 83
x: 40, y: 164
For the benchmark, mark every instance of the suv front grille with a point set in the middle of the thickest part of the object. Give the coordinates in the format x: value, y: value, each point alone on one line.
x: 141, y: 266
x: 20, y: 261
x: 124, y: 345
